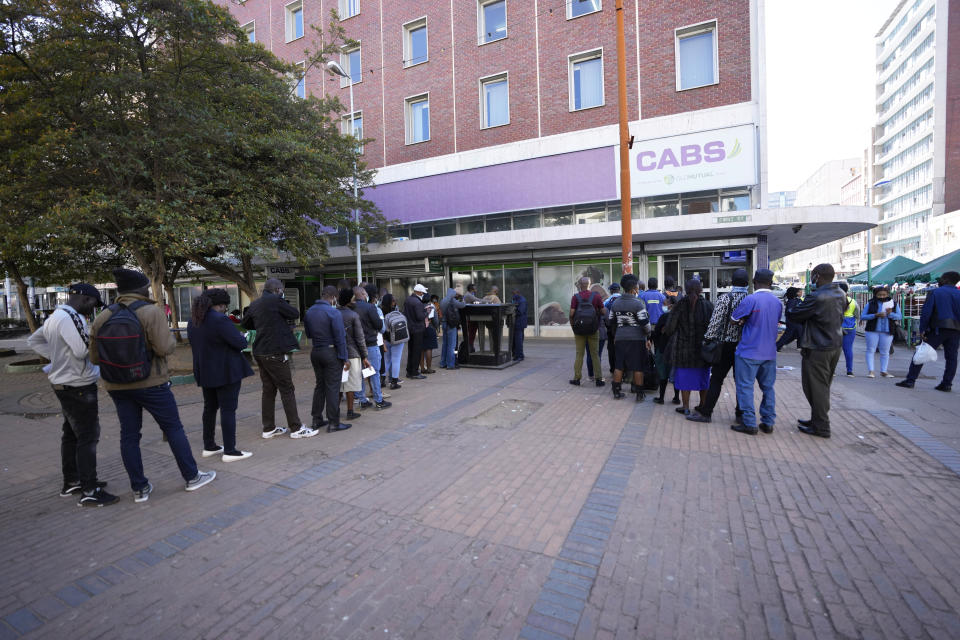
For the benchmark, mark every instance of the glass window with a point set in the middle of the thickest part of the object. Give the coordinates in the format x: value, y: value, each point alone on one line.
x: 301, y: 87
x: 556, y: 288
x: 415, y: 42
x: 493, y: 21
x: 421, y: 231
x: 598, y: 272
x: 557, y: 217
x: 418, y: 119
x: 338, y: 238
x: 702, y: 202
x: 444, y: 229
x: 581, y: 7
x: 353, y: 65
x: 522, y: 279
x: 526, y: 221
x: 590, y: 216
x: 495, y: 96
x: 735, y: 202
x: 399, y: 232
x: 471, y: 226
x: 498, y: 224
x: 662, y: 207
x: 348, y: 8
x: 586, y: 81
x: 185, y: 296
x: 294, y: 21
x: 488, y: 278
x: 696, y: 51
x: 251, y: 31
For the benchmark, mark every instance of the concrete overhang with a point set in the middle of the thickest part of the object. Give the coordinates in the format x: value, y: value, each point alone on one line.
x: 787, y: 230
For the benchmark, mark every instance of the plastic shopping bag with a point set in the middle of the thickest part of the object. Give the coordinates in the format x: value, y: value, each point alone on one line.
x: 924, y: 354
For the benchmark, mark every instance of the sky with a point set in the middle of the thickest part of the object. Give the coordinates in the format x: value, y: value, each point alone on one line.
x: 820, y: 83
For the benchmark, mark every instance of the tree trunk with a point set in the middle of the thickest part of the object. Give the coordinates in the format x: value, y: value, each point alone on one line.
x: 22, y: 297
x: 174, y: 310
x: 244, y: 280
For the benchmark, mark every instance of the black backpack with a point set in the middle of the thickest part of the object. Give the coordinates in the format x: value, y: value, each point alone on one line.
x: 122, y: 345
x: 451, y: 315
x: 585, y: 319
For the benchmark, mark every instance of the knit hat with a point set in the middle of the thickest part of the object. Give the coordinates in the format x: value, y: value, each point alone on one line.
x: 129, y: 280
x: 217, y: 296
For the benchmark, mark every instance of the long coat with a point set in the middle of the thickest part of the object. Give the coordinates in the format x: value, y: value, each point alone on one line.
x: 217, y: 351
x: 687, y: 324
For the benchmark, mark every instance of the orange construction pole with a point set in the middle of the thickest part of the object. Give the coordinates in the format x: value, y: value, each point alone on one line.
x: 626, y: 223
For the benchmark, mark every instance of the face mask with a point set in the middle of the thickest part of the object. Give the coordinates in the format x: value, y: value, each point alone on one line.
x: 665, y: 308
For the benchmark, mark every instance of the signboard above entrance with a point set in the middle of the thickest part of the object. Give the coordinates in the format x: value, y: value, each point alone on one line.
x: 694, y: 162
x: 281, y: 273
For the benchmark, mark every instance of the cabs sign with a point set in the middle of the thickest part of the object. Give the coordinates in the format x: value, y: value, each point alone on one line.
x: 281, y: 273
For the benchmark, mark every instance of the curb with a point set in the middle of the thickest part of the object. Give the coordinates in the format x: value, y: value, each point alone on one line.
x: 26, y: 366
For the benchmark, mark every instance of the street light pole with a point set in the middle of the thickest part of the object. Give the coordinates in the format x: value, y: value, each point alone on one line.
x: 626, y: 222
x: 338, y: 70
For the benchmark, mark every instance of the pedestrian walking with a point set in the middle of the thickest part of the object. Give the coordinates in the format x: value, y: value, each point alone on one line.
x: 586, y: 314
x: 218, y: 368
x: 372, y: 325
x: 130, y: 341
x: 793, y: 329
x: 64, y: 340
x: 940, y: 326
x: 850, y: 318
x: 821, y: 342
x: 324, y: 326
x: 689, y: 320
x: 356, y: 351
x: 519, y: 323
x: 880, y: 316
x: 727, y: 333
x: 270, y: 316
x: 756, y: 354
x: 413, y: 309
x: 450, y: 308
x: 633, y: 325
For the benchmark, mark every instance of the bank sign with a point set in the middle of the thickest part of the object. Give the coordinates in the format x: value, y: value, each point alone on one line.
x: 693, y: 162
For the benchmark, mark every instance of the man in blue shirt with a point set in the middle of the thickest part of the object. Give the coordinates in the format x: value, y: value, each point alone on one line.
x: 324, y: 325
x: 654, y: 300
x: 756, y: 356
x: 940, y: 325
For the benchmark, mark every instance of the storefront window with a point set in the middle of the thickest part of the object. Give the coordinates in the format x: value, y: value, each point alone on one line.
x: 556, y: 286
x: 520, y: 278
x: 598, y: 272
x: 486, y: 279
x: 185, y: 296
x: 557, y: 217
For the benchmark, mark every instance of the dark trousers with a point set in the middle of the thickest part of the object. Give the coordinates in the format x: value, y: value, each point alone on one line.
x: 718, y: 372
x: 816, y: 374
x: 328, y: 371
x: 950, y: 339
x: 791, y: 333
x: 275, y: 375
x: 159, y: 403
x: 600, y: 356
x: 223, y: 399
x: 81, y: 433
x: 414, y: 350
x: 611, y: 349
x: 518, y: 343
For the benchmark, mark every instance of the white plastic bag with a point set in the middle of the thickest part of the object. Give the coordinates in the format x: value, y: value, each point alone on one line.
x: 924, y: 354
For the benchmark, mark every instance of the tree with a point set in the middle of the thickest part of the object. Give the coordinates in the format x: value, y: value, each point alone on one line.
x: 165, y: 132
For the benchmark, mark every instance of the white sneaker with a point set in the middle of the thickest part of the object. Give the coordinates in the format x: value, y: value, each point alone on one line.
x: 233, y: 457
x: 279, y: 431
x: 870, y: 375
x: 304, y: 432
x: 203, y: 477
x: 212, y: 452
x: 385, y: 394
x: 884, y: 374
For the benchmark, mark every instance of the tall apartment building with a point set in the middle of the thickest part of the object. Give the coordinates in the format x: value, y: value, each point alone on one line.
x: 916, y: 140
x: 493, y: 128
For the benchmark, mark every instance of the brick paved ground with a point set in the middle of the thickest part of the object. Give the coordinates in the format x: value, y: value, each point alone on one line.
x: 500, y: 505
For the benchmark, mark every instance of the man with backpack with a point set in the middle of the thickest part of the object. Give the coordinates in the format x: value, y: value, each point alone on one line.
x: 450, y: 307
x: 130, y: 341
x: 586, y: 314
x: 63, y: 340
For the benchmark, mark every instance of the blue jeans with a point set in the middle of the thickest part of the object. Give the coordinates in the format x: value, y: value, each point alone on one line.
x: 745, y: 371
x: 950, y: 339
x: 159, y: 403
x: 448, y: 354
x: 393, y: 354
x: 849, y: 335
x: 876, y: 340
x: 373, y: 355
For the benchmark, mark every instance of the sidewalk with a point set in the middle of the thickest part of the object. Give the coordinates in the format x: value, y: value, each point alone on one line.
x: 500, y: 504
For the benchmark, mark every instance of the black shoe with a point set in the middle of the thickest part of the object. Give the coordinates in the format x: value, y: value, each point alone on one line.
x: 805, y: 423
x: 394, y: 385
x: 943, y: 387
x: 99, y: 498
x: 640, y: 396
x: 319, y: 424
x: 383, y: 404
x: 419, y: 376
x: 575, y: 381
x: 696, y: 416
x: 365, y: 405
x: 353, y: 415
x: 599, y: 382
x: 616, y: 388
x: 766, y: 428
x: 338, y: 427
x: 810, y: 431
x: 685, y: 412
x: 428, y: 371
x: 74, y: 488
x: 742, y: 429
x: 675, y: 401
x: 658, y: 400
x: 906, y: 384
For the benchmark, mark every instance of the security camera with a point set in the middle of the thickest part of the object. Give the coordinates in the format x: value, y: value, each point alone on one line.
x: 797, y: 227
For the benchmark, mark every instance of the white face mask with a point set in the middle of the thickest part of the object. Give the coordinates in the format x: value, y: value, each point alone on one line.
x: 665, y: 308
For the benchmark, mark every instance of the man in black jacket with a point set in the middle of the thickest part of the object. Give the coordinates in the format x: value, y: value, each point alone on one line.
x: 416, y: 321
x: 268, y: 315
x: 821, y: 342
x: 372, y: 325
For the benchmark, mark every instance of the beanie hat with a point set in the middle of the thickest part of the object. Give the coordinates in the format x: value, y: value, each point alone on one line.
x: 217, y: 296
x: 129, y: 280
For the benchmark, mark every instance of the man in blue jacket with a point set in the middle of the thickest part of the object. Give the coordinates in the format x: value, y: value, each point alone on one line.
x: 323, y: 324
x: 519, y: 324
x: 940, y: 325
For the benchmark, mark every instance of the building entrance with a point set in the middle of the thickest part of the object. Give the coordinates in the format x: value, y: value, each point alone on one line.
x: 715, y: 271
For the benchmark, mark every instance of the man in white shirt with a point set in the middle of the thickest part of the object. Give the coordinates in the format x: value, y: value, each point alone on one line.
x: 64, y: 340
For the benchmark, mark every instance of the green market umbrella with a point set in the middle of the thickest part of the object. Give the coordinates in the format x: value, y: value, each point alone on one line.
x: 886, y: 272
x: 932, y: 270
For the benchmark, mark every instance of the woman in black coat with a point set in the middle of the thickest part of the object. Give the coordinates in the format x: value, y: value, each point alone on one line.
x: 688, y: 323
x: 218, y: 367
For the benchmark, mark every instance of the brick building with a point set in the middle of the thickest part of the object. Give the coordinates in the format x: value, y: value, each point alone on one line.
x: 493, y: 128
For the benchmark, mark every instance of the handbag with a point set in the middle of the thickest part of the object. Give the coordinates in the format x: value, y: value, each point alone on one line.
x: 711, y: 351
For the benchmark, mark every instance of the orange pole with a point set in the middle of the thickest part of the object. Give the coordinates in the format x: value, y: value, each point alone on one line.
x: 626, y: 222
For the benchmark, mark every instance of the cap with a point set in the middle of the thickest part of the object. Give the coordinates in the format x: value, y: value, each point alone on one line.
x: 420, y: 288
x: 614, y: 286
x: 84, y: 289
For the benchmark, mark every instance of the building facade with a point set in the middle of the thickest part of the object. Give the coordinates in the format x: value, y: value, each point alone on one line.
x: 493, y: 128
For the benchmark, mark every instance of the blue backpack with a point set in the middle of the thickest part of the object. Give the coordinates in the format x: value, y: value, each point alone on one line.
x: 122, y: 346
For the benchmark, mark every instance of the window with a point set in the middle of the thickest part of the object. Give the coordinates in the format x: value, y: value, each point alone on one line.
x: 348, y: 8
x: 586, y: 80
x: 351, y: 63
x: 492, y: 21
x: 495, y: 101
x: 696, y: 53
x: 499, y: 223
x: 294, y: 20
x: 251, y: 31
x: 577, y: 8
x: 699, y: 202
x: 474, y: 225
x: 526, y: 221
x: 418, y: 119
x: 353, y: 125
x: 558, y: 217
x: 421, y: 231
x: 444, y: 229
x: 415, y: 42
x: 734, y: 201
x: 301, y: 86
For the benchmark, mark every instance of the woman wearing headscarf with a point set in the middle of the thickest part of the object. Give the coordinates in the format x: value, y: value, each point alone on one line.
x: 880, y: 315
x: 688, y: 322
x: 218, y: 367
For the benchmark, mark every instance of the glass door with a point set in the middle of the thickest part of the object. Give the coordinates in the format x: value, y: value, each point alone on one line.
x: 706, y: 277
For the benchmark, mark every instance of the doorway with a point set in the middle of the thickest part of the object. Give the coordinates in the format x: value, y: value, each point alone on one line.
x: 715, y: 271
